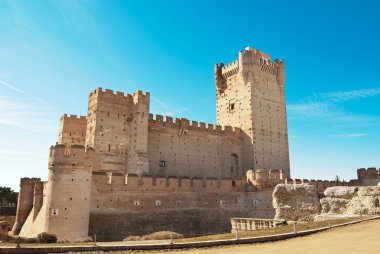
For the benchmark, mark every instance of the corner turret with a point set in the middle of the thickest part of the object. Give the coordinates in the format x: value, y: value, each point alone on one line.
x: 69, y: 191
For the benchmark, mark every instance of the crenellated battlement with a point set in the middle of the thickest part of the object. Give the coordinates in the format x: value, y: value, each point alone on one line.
x: 70, y: 155
x: 186, y: 125
x: 29, y: 181
x: 149, y: 183
x: 248, y: 60
x: 371, y: 172
x: 230, y: 69
x: 73, y: 117
x: 321, y: 185
x: 135, y: 97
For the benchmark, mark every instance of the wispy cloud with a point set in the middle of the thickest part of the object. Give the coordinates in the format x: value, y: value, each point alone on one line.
x: 342, y: 96
x: 26, y: 112
x: 6, y: 84
x: 351, y: 135
x: 330, y: 106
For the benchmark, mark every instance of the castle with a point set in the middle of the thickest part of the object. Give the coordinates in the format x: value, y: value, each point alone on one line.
x: 121, y: 170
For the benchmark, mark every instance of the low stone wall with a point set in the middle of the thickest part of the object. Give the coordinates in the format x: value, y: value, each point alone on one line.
x: 249, y: 224
x: 188, y: 222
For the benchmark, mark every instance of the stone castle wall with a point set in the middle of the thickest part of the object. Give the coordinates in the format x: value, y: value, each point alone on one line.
x: 121, y: 161
x: 193, y: 149
x: 251, y: 95
x: 368, y: 177
x: 72, y: 130
x: 146, y: 204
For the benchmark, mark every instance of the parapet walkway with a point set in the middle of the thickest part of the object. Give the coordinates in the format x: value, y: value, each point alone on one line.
x: 163, y: 246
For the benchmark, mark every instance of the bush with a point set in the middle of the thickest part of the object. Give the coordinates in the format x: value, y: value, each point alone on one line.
x: 133, y: 238
x: 162, y: 235
x: 47, y: 238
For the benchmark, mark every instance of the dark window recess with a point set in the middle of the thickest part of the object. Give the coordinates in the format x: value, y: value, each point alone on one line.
x: 162, y: 164
x: 232, y: 106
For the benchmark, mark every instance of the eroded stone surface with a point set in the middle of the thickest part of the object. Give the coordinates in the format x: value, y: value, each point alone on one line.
x: 296, y: 202
x: 365, y: 201
x: 337, y: 198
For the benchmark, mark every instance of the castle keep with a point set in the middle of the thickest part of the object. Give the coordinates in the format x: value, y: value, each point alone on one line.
x: 121, y: 170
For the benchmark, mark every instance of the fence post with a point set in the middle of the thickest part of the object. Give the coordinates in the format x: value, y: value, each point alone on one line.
x: 18, y: 242
x: 95, y: 240
x: 171, y: 238
x: 329, y: 223
x: 237, y: 234
x: 295, y: 227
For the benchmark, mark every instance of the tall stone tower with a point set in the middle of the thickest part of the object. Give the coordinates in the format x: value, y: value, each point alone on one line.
x: 117, y: 128
x: 250, y: 94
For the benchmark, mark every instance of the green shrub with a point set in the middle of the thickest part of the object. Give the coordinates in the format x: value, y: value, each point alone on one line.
x: 47, y: 238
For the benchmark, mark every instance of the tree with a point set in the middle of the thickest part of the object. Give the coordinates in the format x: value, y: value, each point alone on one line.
x: 7, y: 195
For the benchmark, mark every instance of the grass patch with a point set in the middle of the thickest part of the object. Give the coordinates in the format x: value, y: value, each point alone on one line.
x: 160, y: 235
x: 301, y: 226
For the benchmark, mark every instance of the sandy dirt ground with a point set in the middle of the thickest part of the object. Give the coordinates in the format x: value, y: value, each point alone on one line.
x: 358, y: 238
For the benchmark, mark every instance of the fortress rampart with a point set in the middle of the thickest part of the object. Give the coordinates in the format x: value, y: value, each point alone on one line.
x: 369, y: 176
x: 25, y: 202
x: 122, y: 170
x: 185, y: 125
x: 72, y: 129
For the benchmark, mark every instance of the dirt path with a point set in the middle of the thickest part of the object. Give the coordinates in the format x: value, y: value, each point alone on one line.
x: 358, y: 238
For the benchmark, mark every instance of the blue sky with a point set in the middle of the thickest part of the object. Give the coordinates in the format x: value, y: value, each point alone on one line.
x: 53, y: 53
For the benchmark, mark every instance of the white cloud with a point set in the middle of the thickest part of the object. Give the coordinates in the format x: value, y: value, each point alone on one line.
x: 26, y: 112
x: 351, y: 135
x: 330, y: 106
x: 342, y: 96
x: 6, y: 84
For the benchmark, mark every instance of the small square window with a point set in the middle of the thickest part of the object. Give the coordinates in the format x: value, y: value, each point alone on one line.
x: 162, y: 164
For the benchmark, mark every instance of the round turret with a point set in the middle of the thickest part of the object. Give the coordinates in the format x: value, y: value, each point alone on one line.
x: 24, y: 203
x: 69, y: 191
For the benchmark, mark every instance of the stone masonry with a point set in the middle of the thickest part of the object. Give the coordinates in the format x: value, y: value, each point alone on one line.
x: 118, y: 169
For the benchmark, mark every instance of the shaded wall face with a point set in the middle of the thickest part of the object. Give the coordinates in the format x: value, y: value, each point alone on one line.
x: 233, y: 108
x: 201, y: 153
x: 190, y: 222
x: 119, y: 210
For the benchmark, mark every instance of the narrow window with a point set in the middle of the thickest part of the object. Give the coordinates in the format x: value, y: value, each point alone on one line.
x: 162, y: 164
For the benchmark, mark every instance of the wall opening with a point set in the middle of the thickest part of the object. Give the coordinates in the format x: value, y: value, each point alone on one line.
x: 234, y: 166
